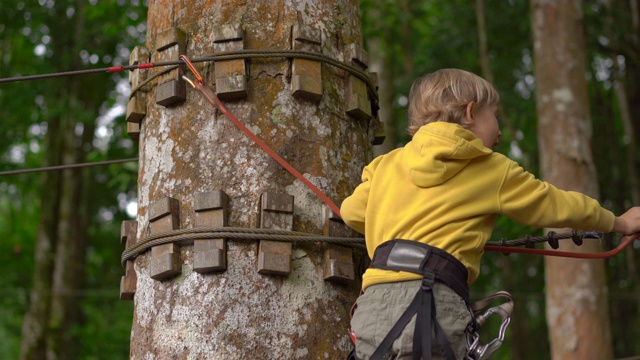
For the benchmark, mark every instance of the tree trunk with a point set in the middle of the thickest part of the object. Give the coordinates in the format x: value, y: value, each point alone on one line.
x: 406, y: 42
x: 577, y: 303
x: 381, y: 55
x: 34, y: 325
x: 508, y: 129
x: 380, y: 64
x: 70, y: 254
x: 60, y: 248
x: 189, y: 147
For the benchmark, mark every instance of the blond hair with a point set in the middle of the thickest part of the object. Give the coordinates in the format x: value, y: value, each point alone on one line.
x: 444, y: 95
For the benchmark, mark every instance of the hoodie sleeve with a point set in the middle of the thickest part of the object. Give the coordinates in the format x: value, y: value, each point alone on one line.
x: 533, y: 202
x: 354, y: 207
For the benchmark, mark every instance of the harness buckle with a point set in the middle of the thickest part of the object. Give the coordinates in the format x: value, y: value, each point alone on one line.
x: 428, y: 279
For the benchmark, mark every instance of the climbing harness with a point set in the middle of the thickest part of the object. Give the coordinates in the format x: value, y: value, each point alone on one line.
x: 434, y: 265
x: 412, y: 256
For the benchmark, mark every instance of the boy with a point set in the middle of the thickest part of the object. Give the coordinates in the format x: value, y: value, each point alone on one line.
x: 443, y: 191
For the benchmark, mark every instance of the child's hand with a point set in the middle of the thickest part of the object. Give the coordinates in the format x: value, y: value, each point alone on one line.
x: 628, y: 223
x: 631, y: 237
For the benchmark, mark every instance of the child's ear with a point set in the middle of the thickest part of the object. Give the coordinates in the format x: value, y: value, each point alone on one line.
x: 468, y: 114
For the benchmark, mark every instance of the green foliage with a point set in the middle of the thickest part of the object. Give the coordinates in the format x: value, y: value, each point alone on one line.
x: 36, y: 39
x: 611, y: 38
x: 16, y: 253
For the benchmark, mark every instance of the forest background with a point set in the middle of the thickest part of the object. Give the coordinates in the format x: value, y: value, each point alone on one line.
x: 40, y: 125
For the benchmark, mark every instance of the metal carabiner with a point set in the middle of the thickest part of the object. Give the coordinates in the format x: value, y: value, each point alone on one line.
x: 193, y: 69
x: 481, y: 352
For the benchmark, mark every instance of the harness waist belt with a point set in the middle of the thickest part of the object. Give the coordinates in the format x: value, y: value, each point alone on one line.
x: 419, y: 258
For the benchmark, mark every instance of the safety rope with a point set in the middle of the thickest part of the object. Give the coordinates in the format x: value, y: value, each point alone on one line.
x: 552, y: 238
x: 231, y: 55
x: 252, y: 234
x: 509, y: 246
x: 150, y: 79
x: 235, y: 233
x: 626, y: 241
x: 211, y: 97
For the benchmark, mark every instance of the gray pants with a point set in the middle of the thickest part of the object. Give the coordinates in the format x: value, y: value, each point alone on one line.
x: 382, y: 305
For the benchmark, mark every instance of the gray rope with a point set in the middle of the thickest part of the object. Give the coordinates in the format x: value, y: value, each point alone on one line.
x: 252, y: 234
x: 67, y: 166
x: 149, y: 79
x: 262, y: 54
x: 551, y: 238
x: 247, y: 234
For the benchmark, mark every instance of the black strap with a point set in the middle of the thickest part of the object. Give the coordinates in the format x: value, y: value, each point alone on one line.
x: 423, y: 306
x: 352, y: 355
x: 396, y: 330
x: 433, y: 264
x: 422, y: 332
x: 442, y: 340
x: 416, y: 257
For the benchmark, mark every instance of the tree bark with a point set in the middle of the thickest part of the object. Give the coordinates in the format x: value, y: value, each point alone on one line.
x: 187, y: 148
x: 577, y: 303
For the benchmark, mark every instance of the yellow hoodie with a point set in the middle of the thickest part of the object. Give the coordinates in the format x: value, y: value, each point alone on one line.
x: 445, y: 189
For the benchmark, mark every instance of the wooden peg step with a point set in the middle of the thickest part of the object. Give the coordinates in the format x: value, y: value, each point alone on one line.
x: 164, y: 215
x: 276, y: 212
x: 211, y: 210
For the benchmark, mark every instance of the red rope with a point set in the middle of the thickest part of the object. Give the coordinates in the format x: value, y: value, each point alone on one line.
x: 213, y: 99
x: 576, y: 255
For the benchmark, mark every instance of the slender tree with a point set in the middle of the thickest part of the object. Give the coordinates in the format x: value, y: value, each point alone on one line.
x: 381, y: 63
x: 577, y: 303
x: 40, y: 338
x: 69, y: 107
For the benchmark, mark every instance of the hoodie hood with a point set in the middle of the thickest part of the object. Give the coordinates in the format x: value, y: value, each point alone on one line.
x: 438, y: 151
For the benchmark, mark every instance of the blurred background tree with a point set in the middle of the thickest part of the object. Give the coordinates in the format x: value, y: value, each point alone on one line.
x: 55, y: 121
x: 58, y: 228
